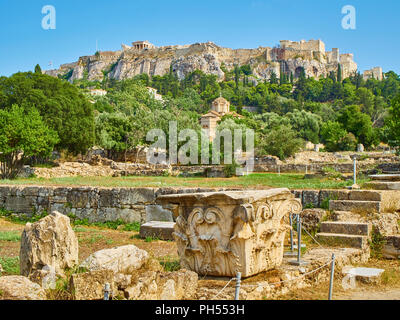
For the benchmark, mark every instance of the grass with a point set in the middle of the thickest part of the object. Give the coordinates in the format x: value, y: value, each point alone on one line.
x: 151, y: 239
x: 114, y: 225
x: 21, y: 219
x: 255, y: 180
x: 10, y: 265
x: 11, y: 236
x: 170, y: 264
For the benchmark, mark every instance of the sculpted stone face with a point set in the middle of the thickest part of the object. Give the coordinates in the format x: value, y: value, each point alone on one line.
x: 221, y: 233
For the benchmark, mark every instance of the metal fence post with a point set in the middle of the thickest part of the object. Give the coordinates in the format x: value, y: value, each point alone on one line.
x: 298, y: 262
x: 298, y: 238
x: 107, y: 290
x: 291, y: 232
x: 237, y: 288
x: 290, y: 253
x: 332, y: 275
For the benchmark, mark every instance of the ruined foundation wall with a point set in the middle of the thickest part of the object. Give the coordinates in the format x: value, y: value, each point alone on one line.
x: 92, y: 203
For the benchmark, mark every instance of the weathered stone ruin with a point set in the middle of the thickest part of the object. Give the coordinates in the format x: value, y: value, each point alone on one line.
x: 222, y: 233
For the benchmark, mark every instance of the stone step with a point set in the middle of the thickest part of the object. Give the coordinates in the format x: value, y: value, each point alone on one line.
x: 364, y: 195
x: 385, y: 177
x: 344, y: 240
x: 157, y: 229
x: 355, y: 205
x: 346, y: 227
x: 383, y: 185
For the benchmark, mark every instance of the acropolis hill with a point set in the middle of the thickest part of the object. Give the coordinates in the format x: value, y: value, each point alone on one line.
x: 143, y: 57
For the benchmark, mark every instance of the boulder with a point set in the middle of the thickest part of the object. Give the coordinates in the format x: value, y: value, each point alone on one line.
x: 20, y: 288
x: 90, y: 285
x: 50, y: 241
x: 124, y: 259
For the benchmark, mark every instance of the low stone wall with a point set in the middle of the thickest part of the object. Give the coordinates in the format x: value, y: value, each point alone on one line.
x: 314, y: 167
x: 129, y: 204
x: 95, y: 204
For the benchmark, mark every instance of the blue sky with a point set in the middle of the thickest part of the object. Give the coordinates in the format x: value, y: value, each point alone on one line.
x: 228, y: 23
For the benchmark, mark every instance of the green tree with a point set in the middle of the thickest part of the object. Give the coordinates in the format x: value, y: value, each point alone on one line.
x: 393, y: 123
x: 62, y: 106
x: 38, y: 69
x: 23, y: 134
x: 273, y: 79
x: 336, y: 138
x: 281, y: 142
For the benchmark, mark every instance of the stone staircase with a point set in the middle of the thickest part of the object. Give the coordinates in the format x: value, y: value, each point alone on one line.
x: 365, y: 201
x: 349, y: 209
x: 345, y: 234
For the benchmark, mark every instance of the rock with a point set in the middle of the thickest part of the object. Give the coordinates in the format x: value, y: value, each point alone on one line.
x: 20, y: 288
x: 46, y: 277
x: 311, y: 218
x: 122, y: 281
x: 153, y: 285
x: 125, y: 259
x: 387, y: 224
x: 144, y: 288
x: 178, y: 285
x: 90, y: 285
x: 391, y: 248
x: 50, y: 241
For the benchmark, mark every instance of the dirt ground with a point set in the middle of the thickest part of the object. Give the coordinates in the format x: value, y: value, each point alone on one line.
x: 92, y: 239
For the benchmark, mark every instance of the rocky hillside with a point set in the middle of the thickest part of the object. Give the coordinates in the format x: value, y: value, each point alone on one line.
x: 207, y: 57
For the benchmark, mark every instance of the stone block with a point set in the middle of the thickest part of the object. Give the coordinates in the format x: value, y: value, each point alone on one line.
x: 364, y: 195
x: 158, y: 213
x: 343, y: 240
x: 221, y: 233
x: 310, y: 197
x: 334, y: 195
x: 108, y: 198
x: 157, y: 229
x: 355, y: 205
x: 391, y: 248
x: 353, y: 228
x: 133, y: 196
x: 20, y: 204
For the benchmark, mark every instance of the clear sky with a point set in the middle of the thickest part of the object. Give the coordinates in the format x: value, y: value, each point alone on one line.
x: 228, y: 23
